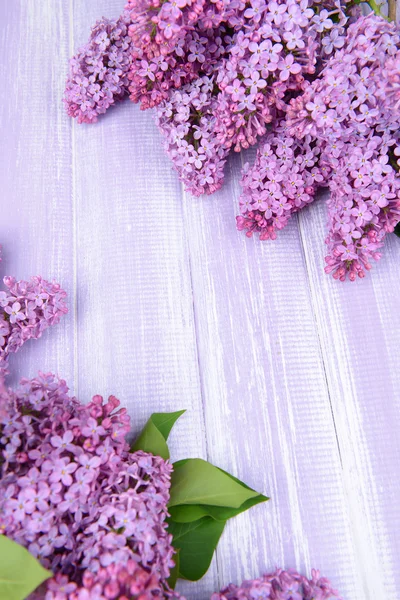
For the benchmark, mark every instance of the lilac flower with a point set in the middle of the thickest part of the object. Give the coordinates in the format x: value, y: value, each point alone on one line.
x: 15, y: 313
x: 359, y: 141
x: 343, y: 143
x: 93, y: 429
x: 123, y: 581
x: 288, y: 187
x: 98, y: 74
x: 73, y: 494
x: 281, y: 585
x: 22, y: 318
x: 288, y: 66
x: 198, y: 158
x: 64, y: 442
x: 61, y: 470
x: 223, y: 75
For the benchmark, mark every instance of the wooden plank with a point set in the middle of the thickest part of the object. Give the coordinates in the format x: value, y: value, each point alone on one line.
x: 35, y: 168
x: 176, y: 309
x: 267, y: 406
x: 136, y: 336
x: 358, y: 326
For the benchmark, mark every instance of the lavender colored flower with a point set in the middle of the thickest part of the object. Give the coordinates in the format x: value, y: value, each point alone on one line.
x: 347, y: 123
x: 115, y: 581
x: 98, y: 73
x: 283, y: 180
x: 353, y: 110
x: 223, y: 75
x: 187, y: 122
x: 27, y: 308
x: 77, y: 499
x: 281, y: 585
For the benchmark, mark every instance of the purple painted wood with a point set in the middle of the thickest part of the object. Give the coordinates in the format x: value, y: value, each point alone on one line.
x: 290, y: 379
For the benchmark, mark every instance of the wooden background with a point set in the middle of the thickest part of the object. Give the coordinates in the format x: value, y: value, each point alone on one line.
x: 291, y: 380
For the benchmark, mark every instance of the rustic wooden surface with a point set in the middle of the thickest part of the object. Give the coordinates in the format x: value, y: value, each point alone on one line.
x: 291, y: 380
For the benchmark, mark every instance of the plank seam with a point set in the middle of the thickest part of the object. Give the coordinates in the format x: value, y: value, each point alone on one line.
x: 74, y: 219
x: 197, y: 350
x: 314, y: 314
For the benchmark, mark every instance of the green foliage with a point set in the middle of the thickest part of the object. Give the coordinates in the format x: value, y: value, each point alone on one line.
x: 20, y: 572
x: 153, y: 438
x: 202, y: 499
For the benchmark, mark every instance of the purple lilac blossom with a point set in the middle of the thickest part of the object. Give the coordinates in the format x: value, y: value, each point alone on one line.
x: 281, y: 585
x: 255, y: 56
x: 349, y: 119
x: 27, y: 309
x: 187, y: 121
x: 224, y: 74
x: 264, y: 64
x: 98, y: 73
x: 175, y: 41
x: 354, y: 110
x: 153, y: 78
x: 268, y: 62
x: 120, y: 582
x: 76, y: 498
x: 283, y: 179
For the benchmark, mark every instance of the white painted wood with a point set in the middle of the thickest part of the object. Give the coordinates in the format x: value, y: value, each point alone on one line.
x: 136, y: 336
x: 360, y: 335
x: 267, y: 407
x: 35, y: 168
x: 291, y: 380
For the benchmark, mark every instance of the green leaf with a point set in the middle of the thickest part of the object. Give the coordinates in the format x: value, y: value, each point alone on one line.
x: 203, y: 498
x: 397, y: 229
x: 186, y: 513
x: 165, y: 421
x: 196, y: 481
x: 197, y: 542
x: 174, y: 573
x: 20, y: 572
x: 154, y: 436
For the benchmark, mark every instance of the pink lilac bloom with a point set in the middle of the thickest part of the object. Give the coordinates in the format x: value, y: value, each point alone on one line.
x: 175, y: 44
x: 27, y: 309
x: 224, y: 75
x: 283, y: 179
x: 98, y: 73
x: 360, y: 142
x: 184, y: 34
x: 347, y: 122
x: 126, y: 581
x: 77, y: 499
x: 248, y: 92
x: 187, y: 122
x: 281, y: 585
x: 155, y: 75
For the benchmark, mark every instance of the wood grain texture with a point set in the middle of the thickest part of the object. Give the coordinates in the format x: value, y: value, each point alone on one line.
x: 268, y: 414
x: 136, y: 335
x: 291, y: 380
x: 360, y: 336
x: 35, y: 167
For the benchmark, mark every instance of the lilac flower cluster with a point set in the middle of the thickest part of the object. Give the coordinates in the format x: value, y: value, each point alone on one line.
x: 122, y: 582
x: 271, y: 49
x: 71, y: 493
x: 281, y: 585
x: 27, y: 308
x: 187, y: 120
x: 155, y: 74
x: 284, y: 179
x: 239, y: 61
x: 98, y: 74
x: 223, y: 74
x: 347, y: 123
